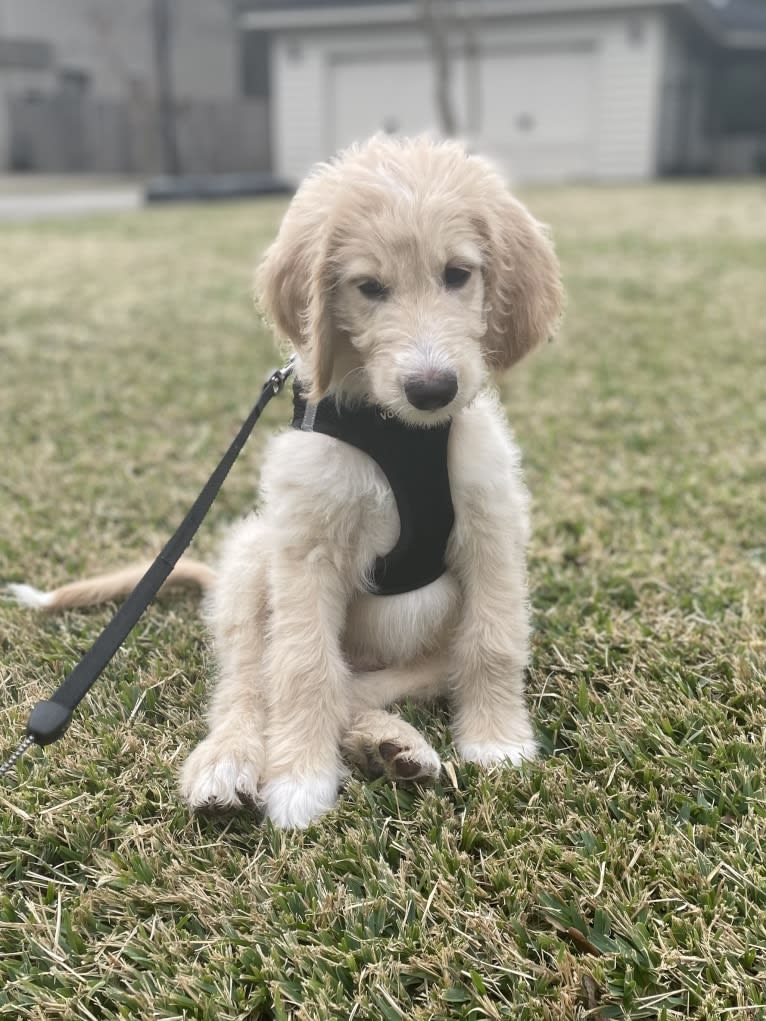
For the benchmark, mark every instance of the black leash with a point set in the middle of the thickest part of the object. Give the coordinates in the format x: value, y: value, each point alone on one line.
x: 50, y: 719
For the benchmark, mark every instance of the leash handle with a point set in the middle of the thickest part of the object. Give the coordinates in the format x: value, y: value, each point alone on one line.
x: 50, y: 719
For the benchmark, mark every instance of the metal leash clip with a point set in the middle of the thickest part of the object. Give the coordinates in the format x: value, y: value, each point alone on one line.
x: 279, y: 377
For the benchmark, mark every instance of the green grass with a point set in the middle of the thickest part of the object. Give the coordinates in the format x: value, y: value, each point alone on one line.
x: 623, y: 875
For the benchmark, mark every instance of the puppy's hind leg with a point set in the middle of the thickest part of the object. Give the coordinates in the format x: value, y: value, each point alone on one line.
x: 380, y: 742
x: 225, y: 769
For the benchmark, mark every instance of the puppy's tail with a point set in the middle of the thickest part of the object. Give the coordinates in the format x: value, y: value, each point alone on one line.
x: 105, y: 587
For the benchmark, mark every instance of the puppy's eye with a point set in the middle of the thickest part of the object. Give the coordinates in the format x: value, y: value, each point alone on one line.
x: 456, y: 277
x: 372, y: 289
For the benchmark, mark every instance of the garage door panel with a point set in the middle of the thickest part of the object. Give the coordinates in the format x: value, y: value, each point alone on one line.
x: 538, y: 110
x: 370, y: 95
x: 383, y: 93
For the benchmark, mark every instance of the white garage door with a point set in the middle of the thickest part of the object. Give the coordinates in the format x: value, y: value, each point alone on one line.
x: 538, y: 112
x: 535, y: 108
x: 382, y: 93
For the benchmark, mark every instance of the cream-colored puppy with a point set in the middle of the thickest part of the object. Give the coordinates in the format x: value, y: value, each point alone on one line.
x: 403, y: 268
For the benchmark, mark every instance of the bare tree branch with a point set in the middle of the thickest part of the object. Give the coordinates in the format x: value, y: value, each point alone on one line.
x: 161, y: 34
x: 435, y: 16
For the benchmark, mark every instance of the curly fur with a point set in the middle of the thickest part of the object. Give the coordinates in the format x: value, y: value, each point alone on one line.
x: 308, y: 660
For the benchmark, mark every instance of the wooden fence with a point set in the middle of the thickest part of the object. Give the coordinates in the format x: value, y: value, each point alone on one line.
x: 64, y: 133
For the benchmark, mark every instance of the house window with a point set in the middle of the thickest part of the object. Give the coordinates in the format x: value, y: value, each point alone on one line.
x: 254, y: 53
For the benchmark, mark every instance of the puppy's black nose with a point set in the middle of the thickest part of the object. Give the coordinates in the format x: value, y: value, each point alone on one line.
x: 427, y: 393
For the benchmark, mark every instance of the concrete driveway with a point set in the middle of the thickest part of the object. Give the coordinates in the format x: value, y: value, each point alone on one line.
x: 25, y: 197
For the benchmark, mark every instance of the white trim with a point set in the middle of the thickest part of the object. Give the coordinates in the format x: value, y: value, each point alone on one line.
x: 331, y: 17
x: 327, y: 17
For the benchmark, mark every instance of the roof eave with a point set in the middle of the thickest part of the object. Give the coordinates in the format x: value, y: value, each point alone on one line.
x: 326, y: 17
x: 403, y: 13
x: 731, y: 38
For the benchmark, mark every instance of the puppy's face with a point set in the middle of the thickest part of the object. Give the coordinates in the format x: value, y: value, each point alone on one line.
x: 409, y: 299
x: 403, y: 272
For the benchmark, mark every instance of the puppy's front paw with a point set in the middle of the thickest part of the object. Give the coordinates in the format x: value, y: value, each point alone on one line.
x: 217, y: 775
x: 489, y: 753
x: 293, y: 802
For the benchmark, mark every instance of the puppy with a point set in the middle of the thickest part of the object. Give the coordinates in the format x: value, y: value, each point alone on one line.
x: 403, y: 274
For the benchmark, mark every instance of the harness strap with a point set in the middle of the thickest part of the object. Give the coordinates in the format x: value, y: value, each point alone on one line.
x: 50, y: 719
x: 414, y: 461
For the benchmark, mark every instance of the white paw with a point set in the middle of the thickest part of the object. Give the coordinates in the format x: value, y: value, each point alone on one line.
x: 27, y: 595
x: 294, y: 802
x: 215, y: 776
x: 489, y: 753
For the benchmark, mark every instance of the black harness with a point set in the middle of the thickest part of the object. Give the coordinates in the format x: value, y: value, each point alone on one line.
x: 414, y: 460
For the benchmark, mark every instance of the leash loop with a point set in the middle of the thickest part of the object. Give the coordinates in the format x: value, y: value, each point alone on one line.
x: 49, y: 719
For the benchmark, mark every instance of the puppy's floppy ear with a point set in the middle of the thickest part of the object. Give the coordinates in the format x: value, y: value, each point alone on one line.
x: 294, y: 284
x: 319, y: 326
x: 524, y: 295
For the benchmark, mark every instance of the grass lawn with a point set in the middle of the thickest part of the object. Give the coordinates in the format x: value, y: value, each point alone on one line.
x: 623, y: 875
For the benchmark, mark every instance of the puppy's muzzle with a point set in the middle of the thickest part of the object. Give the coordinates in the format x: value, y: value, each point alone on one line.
x: 427, y: 393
